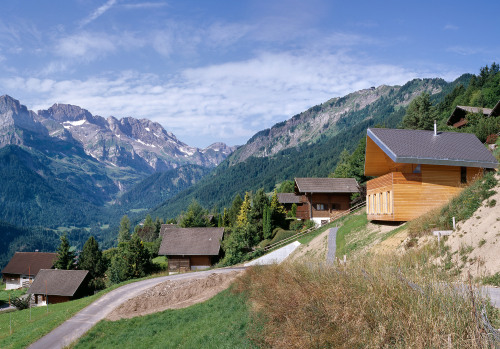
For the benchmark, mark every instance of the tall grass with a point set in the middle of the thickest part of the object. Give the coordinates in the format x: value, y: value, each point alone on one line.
x: 461, y: 207
x: 382, y: 303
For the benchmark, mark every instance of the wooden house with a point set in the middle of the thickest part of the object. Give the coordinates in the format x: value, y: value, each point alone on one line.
x: 57, y: 286
x: 458, y: 119
x: 24, y: 266
x: 322, y: 198
x: 190, y: 248
x: 288, y: 199
x: 419, y: 170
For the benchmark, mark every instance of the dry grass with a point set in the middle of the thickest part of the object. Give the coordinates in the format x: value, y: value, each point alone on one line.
x: 364, y: 305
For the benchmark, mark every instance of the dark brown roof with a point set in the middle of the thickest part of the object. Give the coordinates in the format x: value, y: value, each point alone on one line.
x: 288, y: 198
x: 423, y: 147
x: 496, y: 110
x: 29, y: 262
x: 326, y: 185
x: 58, y: 282
x: 190, y: 241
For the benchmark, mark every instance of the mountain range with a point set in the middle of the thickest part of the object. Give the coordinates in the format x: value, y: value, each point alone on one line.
x: 63, y: 165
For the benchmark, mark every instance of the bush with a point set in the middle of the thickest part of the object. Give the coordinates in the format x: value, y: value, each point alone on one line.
x: 21, y: 302
x: 492, y: 280
x: 282, y: 235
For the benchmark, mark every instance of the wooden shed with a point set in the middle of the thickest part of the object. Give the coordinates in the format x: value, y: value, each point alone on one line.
x: 24, y: 266
x: 419, y: 170
x: 57, y: 286
x: 190, y: 248
x: 322, y: 198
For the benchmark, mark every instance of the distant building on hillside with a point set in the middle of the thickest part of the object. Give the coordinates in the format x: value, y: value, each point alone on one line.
x: 458, y: 119
x: 322, y: 198
x: 23, y: 267
x: 53, y: 286
x: 419, y: 170
x: 190, y: 248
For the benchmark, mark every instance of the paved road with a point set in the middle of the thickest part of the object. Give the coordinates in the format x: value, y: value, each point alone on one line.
x: 84, y: 320
x: 332, y: 245
x: 275, y: 257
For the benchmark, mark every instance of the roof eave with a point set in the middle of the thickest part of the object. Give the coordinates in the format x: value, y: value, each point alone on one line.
x: 381, y: 145
x: 446, y: 162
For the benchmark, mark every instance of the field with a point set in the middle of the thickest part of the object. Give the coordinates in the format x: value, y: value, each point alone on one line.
x: 221, y: 322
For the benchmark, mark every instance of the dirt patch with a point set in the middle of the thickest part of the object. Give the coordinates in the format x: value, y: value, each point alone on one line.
x: 173, y: 294
x: 315, y: 250
x: 476, y: 242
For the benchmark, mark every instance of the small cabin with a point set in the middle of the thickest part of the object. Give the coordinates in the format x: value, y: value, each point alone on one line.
x: 458, y: 118
x: 419, y: 170
x: 53, y: 286
x: 23, y: 267
x: 321, y: 199
x: 190, y: 248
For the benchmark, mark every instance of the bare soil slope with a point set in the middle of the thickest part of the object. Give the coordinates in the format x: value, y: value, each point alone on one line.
x: 475, y: 245
x: 173, y: 295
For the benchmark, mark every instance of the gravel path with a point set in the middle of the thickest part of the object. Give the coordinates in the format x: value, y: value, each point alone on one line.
x: 275, y: 257
x: 84, y: 320
x: 332, y: 245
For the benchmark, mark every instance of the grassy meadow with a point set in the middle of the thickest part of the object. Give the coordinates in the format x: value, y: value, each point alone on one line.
x: 221, y: 322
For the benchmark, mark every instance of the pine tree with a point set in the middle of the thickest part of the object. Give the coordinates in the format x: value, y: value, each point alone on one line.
x: 420, y: 114
x: 242, y: 218
x: 138, y: 257
x: 65, y: 257
x: 91, y: 259
x: 195, y: 216
x: 266, y: 223
x: 124, y: 232
x: 235, y: 209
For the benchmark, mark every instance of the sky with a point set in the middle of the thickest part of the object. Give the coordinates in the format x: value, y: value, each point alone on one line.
x: 220, y: 70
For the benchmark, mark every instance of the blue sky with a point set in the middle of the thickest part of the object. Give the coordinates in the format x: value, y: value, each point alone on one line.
x: 222, y: 70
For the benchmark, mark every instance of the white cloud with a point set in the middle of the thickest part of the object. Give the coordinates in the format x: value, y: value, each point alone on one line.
x: 97, y: 13
x: 227, y: 102
x: 144, y: 5
x: 87, y: 46
x: 451, y: 27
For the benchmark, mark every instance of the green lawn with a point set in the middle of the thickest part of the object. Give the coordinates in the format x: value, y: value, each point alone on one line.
x: 221, y: 322
x: 349, y: 224
x: 26, y: 331
x: 4, y: 294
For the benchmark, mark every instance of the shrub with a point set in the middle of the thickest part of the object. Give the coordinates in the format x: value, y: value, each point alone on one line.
x: 21, y: 302
x: 492, y: 280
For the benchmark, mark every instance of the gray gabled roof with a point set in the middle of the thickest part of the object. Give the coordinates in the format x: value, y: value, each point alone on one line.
x: 190, y: 241
x: 58, y: 282
x: 288, y: 198
x: 327, y: 185
x: 423, y: 147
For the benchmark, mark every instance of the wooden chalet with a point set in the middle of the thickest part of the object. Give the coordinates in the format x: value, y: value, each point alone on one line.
x: 190, y: 248
x: 288, y: 199
x: 458, y: 119
x: 322, y: 198
x: 24, y: 266
x: 419, y: 170
x: 57, y: 286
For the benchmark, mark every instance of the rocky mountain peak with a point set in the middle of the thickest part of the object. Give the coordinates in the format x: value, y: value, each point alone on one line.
x: 14, y: 114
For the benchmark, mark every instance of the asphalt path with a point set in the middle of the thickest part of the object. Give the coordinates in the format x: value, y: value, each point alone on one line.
x: 332, y: 245
x: 75, y: 327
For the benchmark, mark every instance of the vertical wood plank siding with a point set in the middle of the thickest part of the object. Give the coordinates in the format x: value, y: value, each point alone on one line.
x: 414, y: 194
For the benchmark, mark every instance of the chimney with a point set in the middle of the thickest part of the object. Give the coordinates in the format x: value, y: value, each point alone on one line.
x: 435, y: 128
